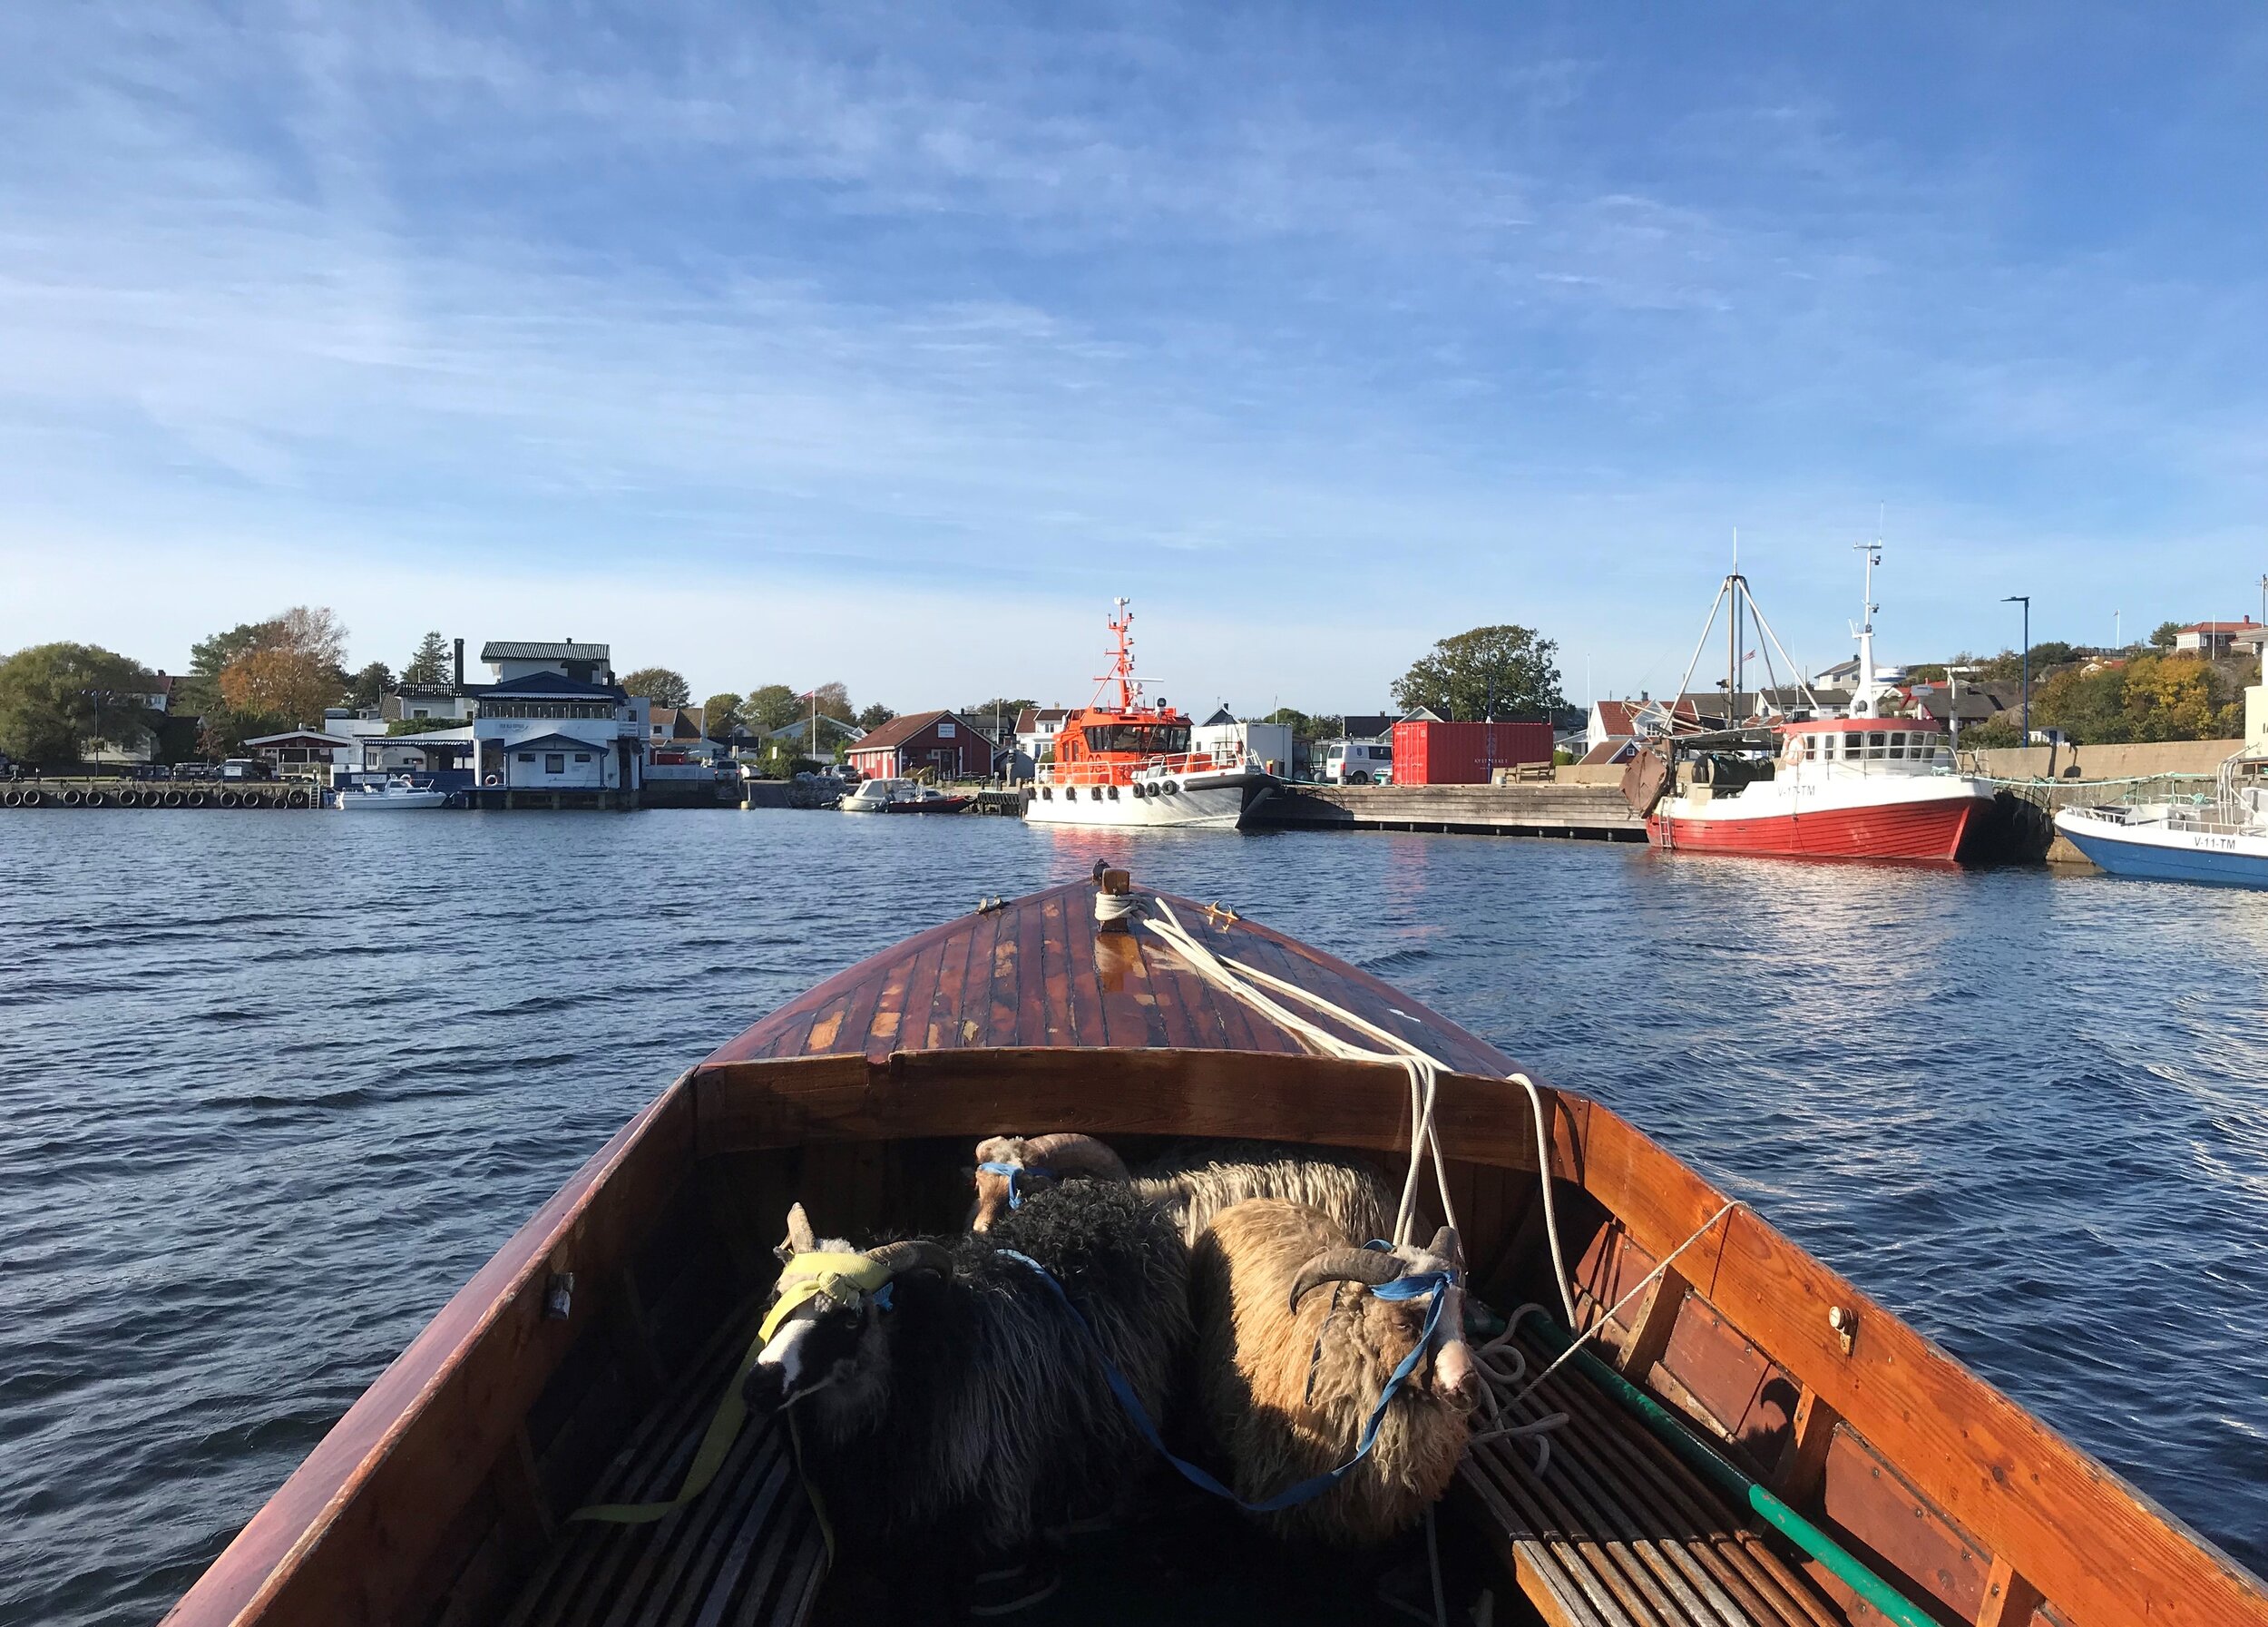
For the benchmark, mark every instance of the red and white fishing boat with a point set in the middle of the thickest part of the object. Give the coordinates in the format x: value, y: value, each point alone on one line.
x: 1122, y: 762
x: 1868, y: 784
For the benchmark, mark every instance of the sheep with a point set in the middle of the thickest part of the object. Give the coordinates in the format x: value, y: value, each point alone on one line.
x: 1288, y: 1376
x: 954, y: 1420
x: 1192, y: 1183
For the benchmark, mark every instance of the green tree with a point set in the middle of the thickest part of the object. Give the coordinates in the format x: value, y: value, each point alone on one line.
x: 1502, y: 670
x: 2162, y: 637
x: 999, y: 706
x: 659, y: 685
x: 1304, y: 726
x: 772, y: 706
x: 432, y: 661
x: 723, y: 714
x: 56, y: 698
x: 874, y: 716
x: 370, y: 685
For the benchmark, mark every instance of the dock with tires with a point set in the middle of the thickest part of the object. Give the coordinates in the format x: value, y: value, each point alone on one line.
x: 70, y: 794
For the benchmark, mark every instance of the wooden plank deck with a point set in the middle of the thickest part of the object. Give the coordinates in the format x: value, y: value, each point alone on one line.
x: 1036, y: 973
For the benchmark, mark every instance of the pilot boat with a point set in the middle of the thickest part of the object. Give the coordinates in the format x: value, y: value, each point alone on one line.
x: 1749, y: 1438
x: 1868, y: 784
x: 1121, y: 760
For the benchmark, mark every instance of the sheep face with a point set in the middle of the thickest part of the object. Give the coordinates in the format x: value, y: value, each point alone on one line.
x: 1036, y: 1161
x: 1392, y: 1328
x: 832, y: 1351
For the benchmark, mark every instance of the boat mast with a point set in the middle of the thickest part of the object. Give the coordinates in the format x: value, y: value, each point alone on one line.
x: 1122, y: 658
x: 1863, y: 691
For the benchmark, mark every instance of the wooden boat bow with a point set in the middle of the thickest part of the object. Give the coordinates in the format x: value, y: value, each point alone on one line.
x: 434, y: 1493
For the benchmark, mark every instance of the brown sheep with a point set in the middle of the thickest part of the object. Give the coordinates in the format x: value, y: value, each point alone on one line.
x: 1292, y: 1352
x: 1192, y: 1183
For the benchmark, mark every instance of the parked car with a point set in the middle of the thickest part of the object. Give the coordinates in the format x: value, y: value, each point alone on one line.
x: 1357, y: 762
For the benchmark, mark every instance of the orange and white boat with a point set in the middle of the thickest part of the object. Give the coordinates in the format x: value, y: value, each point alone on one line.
x: 1870, y: 784
x: 1121, y: 760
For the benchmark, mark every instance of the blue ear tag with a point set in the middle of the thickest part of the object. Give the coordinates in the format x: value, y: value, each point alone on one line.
x: 882, y: 1296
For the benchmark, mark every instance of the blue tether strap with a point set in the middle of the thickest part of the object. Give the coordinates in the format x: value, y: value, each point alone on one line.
x: 1015, y: 1173
x: 1402, y: 1288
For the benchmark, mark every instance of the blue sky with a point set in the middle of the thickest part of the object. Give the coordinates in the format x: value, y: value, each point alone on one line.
x: 887, y: 344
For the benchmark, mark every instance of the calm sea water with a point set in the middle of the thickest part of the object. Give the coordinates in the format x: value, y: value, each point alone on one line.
x: 272, y: 1086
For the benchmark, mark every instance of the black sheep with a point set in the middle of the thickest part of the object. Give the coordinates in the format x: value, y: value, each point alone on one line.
x: 952, y: 1423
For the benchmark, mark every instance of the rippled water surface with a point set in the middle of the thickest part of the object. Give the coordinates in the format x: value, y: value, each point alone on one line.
x: 272, y: 1086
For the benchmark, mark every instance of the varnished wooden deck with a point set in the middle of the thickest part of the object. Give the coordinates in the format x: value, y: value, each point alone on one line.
x: 1037, y: 973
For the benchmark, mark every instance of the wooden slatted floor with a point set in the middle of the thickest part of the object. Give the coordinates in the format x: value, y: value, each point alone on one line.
x: 1617, y: 1531
x: 1032, y: 973
x: 747, y: 1551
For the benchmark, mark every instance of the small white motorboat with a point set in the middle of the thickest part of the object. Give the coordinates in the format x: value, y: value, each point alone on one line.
x: 397, y: 794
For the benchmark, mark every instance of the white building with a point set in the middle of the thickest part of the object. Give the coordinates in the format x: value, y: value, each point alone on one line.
x: 587, y: 663
x: 546, y: 730
x: 1036, y: 729
x: 1225, y: 735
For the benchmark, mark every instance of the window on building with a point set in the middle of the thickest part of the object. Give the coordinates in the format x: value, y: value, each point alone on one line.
x: 944, y: 732
x: 582, y: 757
x: 554, y: 762
x: 527, y: 756
x: 419, y: 712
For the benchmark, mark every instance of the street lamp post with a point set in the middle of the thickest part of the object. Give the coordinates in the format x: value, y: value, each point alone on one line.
x: 2026, y: 601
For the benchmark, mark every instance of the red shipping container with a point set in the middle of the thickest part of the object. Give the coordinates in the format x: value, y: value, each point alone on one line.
x: 1465, y: 753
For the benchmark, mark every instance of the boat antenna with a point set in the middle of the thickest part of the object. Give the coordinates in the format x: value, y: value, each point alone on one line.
x: 1122, y: 655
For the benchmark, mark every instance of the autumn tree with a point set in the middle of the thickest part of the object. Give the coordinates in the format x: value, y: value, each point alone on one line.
x: 833, y: 701
x: 54, y: 699
x: 874, y: 716
x: 1496, y: 671
x: 432, y: 661
x: 286, y: 687
x: 659, y: 685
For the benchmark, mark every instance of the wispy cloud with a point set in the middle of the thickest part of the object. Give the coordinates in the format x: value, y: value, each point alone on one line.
x: 1290, y: 310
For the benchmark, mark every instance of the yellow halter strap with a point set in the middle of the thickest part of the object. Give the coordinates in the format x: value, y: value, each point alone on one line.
x: 842, y: 1278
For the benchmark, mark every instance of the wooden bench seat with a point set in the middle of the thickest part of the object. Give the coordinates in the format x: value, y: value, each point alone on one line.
x: 1617, y: 1531
x: 747, y: 1551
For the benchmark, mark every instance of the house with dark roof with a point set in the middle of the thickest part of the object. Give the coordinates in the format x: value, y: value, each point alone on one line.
x: 547, y: 730
x: 945, y: 744
x: 1036, y: 729
x: 508, y: 658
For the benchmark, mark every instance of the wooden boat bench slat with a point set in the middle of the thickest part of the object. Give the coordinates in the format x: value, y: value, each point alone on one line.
x: 747, y: 1551
x: 1618, y: 1533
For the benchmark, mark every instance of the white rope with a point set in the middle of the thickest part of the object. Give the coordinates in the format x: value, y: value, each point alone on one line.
x: 1114, y: 907
x: 1247, y: 982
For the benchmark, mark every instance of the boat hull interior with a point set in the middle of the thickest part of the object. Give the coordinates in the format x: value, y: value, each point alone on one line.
x: 586, y: 1359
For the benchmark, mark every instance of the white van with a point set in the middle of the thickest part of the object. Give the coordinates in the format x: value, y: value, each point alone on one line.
x: 1357, y: 762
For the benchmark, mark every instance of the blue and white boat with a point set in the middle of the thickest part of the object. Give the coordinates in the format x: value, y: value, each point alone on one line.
x: 2222, y: 840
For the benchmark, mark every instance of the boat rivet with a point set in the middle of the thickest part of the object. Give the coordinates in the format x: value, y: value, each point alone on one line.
x: 1846, y: 1325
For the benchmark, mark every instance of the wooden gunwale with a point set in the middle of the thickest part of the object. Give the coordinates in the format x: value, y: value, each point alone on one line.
x: 339, y: 1540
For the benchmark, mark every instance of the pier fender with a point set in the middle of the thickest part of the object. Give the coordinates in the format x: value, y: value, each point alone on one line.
x: 97, y: 799
x: 296, y: 800
x: 194, y: 799
x: 229, y: 799
x: 31, y: 798
x: 9, y: 799
x: 71, y: 796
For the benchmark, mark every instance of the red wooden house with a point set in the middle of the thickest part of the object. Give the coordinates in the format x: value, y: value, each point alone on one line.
x: 945, y: 742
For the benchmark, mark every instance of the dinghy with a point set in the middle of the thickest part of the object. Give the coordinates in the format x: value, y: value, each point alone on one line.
x: 1746, y: 1436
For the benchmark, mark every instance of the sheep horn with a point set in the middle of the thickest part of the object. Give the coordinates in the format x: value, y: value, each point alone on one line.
x: 1068, y: 1152
x: 915, y: 1254
x: 1372, y: 1266
x: 800, y: 1236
